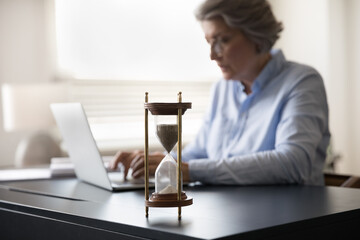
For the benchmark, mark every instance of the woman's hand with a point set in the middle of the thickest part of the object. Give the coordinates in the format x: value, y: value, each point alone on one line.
x: 138, y: 166
x: 135, y: 160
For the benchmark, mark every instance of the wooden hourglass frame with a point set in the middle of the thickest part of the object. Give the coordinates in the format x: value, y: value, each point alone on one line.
x: 178, y: 199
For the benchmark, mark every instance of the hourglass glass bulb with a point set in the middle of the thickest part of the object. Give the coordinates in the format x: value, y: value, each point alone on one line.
x: 167, y: 134
x: 167, y: 131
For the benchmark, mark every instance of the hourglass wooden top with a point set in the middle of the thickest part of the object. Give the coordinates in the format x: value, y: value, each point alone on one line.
x: 167, y: 108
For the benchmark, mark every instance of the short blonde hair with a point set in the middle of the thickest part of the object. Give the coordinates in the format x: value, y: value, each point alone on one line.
x: 254, y: 18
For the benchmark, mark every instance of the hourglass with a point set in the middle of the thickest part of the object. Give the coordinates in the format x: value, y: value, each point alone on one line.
x: 168, y: 175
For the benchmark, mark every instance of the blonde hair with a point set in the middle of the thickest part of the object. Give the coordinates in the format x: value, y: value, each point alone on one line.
x: 254, y: 18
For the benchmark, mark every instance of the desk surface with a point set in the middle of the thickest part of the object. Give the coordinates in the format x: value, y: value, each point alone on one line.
x: 218, y: 211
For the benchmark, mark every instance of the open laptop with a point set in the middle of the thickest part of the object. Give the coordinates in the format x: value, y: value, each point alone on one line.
x: 83, y: 151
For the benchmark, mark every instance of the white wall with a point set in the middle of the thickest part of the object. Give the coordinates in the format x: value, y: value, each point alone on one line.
x: 353, y: 51
x: 304, y: 38
x: 25, y: 55
x: 339, y: 95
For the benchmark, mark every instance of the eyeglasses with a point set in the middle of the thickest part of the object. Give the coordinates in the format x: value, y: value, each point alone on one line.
x: 218, y: 43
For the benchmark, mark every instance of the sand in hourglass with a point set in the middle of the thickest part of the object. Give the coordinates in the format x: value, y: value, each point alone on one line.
x: 168, y: 135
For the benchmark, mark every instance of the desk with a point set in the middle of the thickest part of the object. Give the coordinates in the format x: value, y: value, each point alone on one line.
x: 69, y: 209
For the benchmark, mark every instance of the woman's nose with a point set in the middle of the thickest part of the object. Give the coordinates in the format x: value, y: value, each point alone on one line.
x: 215, y: 52
x: 213, y: 55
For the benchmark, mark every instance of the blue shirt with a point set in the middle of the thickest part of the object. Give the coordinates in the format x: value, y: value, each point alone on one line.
x: 276, y: 135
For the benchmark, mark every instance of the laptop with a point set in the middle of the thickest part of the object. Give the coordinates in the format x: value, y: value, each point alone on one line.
x: 89, y: 167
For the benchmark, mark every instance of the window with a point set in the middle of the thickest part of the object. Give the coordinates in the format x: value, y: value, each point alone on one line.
x: 115, y: 50
x: 132, y: 40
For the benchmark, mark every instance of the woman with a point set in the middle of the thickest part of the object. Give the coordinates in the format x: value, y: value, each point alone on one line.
x: 268, y: 118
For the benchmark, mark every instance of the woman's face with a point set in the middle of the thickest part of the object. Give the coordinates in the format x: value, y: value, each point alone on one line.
x: 233, y: 52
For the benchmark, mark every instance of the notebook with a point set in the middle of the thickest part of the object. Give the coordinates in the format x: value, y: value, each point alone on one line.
x: 78, y: 139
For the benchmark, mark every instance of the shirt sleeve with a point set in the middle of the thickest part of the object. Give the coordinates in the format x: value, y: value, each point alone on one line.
x: 303, y: 122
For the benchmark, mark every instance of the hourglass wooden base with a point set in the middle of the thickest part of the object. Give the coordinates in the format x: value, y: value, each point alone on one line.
x: 168, y: 200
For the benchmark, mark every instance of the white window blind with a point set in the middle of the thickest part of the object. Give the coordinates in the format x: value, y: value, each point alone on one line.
x: 116, y: 108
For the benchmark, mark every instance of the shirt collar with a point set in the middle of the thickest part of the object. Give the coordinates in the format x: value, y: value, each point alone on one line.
x: 270, y: 70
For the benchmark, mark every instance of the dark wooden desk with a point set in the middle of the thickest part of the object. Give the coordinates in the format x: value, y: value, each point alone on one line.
x: 69, y: 209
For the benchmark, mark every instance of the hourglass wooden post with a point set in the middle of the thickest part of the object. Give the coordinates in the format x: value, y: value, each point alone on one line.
x: 146, y: 153
x: 179, y: 120
x: 168, y: 175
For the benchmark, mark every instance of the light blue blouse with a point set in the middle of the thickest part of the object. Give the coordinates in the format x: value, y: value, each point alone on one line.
x: 276, y: 135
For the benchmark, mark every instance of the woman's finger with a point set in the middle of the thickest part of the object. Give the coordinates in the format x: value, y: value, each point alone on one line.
x: 119, y: 157
x: 140, y: 172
